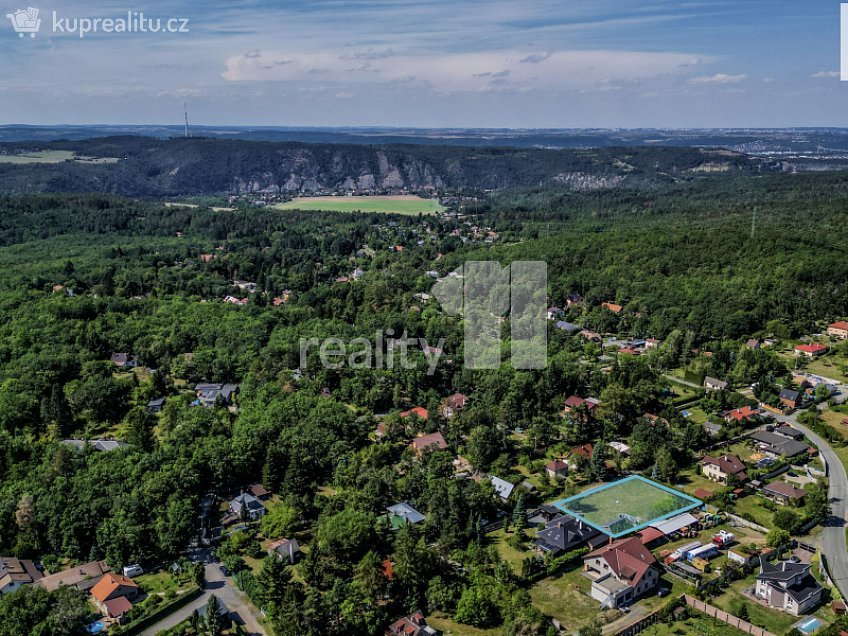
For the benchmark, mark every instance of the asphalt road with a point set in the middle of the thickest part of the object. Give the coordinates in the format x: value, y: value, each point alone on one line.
x: 833, y: 544
x: 223, y: 588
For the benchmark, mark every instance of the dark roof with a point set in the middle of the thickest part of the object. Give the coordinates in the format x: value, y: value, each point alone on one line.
x: 784, y: 489
x: 564, y: 533
x: 777, y: 575
x: 728, y: 464
x: 789, y: 394
x: 782, y: 571
x: 779, y: 444
x: 789, y: 431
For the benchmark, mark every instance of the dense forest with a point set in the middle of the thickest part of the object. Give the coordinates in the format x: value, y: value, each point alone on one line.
x: 141, y: 166
x: 697, y: 264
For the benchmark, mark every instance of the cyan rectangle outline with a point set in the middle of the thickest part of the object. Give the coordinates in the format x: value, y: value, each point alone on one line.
x: 562, y: 504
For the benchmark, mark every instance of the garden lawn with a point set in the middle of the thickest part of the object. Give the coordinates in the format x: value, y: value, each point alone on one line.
x: 566, y: 598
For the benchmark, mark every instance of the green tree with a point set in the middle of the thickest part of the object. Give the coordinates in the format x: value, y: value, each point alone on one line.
x: 214, y: 623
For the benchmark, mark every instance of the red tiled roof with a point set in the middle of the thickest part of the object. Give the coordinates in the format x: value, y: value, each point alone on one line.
x: 627, y: 558
x: 811, y: 348
x: 703, y: 494
x: 109, y: 584
x: 650, y: 534
x: 840, y: 324
x: 613, y: 307
x: 556, y: 466
x: 743, y: 413
x: 584, y: 451
x: 787, y: 490
x: 456, y: 401
x: 419, y: 411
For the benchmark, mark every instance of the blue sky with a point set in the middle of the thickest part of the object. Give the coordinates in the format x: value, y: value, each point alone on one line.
x: 457, y: 63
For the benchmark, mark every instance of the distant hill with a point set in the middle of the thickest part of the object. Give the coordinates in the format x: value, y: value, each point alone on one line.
x: 144, y: 166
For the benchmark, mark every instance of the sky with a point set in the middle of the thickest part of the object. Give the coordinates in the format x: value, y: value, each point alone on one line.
x: 410, y: 63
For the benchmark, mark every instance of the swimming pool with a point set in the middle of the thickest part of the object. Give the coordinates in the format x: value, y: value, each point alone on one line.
x: 95, y: 628
x: 808, y: 625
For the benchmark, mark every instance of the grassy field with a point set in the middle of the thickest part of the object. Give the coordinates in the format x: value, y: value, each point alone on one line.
x: 638, y: 499
x: 46, y: 156
x: 400, y: 204
x: 450, y: 627
x: 566, y: 598
x: 507, y: 552
x: 695, y: 625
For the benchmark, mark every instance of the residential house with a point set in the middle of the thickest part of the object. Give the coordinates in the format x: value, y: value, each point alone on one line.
x: 789, y: 431
x: 790, y: 398
x: 783, y: 493
x: 113, y: 595
x: 402, y: 514
x: 742, y: 414
x: 586, y: 408
x: 621, y: 572
x: 788, y: 586
x: 412, y: 625
x: 584, y: 451
x: 613, y: 307
x: 123, y: 360
x: 83, y: 577
x: 503, y: 488
x: 557, y: 469
x: 752, y: 343
x: 714, y: 384
x: 156, y: 405
x: 564, y: 533
x: 247, y: 506
x: 259, y: 491
x: 285, y: 549
x: 712, y: 429
x: 810, y: 350
x: 418, y: 411
x: 721, y: 469
x: 838, y: 329
x: 553, y: 313
x: 775, y: 445
x: 210, y: 394
x: 426, y: 443
x: 15, y: 573
x: 451, y: 405
x: 102, y: 445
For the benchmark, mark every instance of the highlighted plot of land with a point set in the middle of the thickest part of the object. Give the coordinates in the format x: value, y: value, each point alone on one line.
x: 400, y: 204
x: 627, y: 505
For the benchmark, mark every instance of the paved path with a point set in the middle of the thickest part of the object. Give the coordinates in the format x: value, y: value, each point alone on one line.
x: 223, y: 588
x: 833, y: 536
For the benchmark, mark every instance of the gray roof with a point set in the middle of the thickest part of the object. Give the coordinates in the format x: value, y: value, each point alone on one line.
x: 409, y: 514
x: 248, y: 500
x: 780, y: 445
x: 104, y: 445
x: 789, y: 394
x: 564, y: 533
x: 502, y: 487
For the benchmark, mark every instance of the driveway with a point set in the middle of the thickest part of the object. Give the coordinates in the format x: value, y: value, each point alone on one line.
x: 223, y: 588
x: 833, y: 544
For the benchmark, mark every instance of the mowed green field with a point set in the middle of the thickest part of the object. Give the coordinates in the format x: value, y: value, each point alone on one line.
x: 53, y: 156
x: 400, y: 204
x: 45, y: 156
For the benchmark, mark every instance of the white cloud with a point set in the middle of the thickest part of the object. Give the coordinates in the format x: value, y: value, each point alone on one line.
x: 719, y: 78
x: 467, y: 72
x: 825, y: 74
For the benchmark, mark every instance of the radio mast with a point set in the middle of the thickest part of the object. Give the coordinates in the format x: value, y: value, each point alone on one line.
x: 185, y: 108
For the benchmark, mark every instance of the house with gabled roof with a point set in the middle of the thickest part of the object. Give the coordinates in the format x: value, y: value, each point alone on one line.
x: 788, y: 586
x: 503, y: 488
x: 426, y: 443
x: 722, y: 468
x: 838, y: 329
x: 418, y: 411
x: 452, y: 404
x: 402, y: 514
x: 247, y: 506
x: 285, y: 549
x: 113, y: 594
x: 15, y: 573
x: 556, y: 469
x: 812, y: 350
x: 621, y: 572
x: 413, y: 625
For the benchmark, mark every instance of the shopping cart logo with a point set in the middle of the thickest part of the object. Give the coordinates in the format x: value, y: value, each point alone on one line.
x: 25, y: 21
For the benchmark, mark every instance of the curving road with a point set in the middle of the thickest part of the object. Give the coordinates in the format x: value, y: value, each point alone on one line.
x: 217, y: 584
x: 833, y: 544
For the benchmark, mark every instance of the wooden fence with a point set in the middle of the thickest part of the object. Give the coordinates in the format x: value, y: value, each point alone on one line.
x: 724, y: 617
